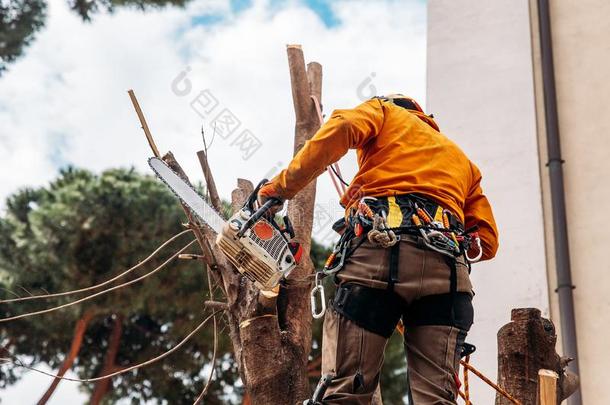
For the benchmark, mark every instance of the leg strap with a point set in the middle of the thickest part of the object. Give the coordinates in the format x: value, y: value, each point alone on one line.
x: 441, y: 309
x: 373, y: 309
x: 452, y: 263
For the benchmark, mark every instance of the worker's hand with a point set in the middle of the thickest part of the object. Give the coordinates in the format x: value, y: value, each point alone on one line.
x: 268, y: 191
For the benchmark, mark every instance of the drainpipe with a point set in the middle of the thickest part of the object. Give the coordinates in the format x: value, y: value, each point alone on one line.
x: 560, y: 226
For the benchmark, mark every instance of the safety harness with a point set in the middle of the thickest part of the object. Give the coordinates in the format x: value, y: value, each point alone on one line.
x: 382, y: 221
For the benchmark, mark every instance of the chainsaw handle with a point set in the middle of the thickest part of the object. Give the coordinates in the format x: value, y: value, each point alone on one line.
x: 254, y: 195
x: 258, y: 214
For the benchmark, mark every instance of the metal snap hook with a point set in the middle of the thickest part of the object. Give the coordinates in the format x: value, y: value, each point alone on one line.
x: 317, y: 289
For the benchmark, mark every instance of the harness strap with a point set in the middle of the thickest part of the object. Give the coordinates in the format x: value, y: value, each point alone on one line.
x: 394, y: 256
x: 452, y: 263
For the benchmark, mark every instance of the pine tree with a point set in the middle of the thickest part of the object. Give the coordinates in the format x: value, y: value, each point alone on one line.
x: 84, y: 229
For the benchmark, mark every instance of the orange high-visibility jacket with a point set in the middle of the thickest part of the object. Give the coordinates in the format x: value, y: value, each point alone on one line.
x: 398, y: 153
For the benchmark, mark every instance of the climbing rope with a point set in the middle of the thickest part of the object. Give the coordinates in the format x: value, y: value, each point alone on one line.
x: 215, y: 353
x: 135, y: 280
x: 468, y: 367
x: 466, y: 383
x: 17, y: 362
x: 93, y: 287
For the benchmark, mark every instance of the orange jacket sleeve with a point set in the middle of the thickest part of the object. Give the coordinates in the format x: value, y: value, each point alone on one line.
x: 346, y: 129
x: 477, y: 211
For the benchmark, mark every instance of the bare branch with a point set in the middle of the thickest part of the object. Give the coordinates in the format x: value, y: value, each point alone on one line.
x: 216, y: 305
x: 149, y: 138
x: 209, y: 180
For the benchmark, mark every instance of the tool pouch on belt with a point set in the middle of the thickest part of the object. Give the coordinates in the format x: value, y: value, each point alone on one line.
x: 355, y: 302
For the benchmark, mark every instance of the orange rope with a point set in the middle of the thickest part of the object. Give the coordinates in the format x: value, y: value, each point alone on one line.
x: 466, y: 383
x: 463, y: 396
x: 489, y: 382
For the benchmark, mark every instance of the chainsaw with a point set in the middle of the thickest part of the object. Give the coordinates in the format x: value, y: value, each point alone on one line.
x: 251, y: 239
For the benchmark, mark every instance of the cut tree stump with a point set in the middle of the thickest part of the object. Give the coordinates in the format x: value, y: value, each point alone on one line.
x: 526, y: 345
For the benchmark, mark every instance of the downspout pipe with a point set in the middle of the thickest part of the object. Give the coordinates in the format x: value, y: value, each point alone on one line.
x: 560, y: 226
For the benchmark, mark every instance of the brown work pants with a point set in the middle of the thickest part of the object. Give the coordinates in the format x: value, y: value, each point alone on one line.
x: 433, y: 335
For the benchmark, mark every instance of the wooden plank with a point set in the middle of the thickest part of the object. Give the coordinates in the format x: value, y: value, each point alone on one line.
x: 547, y: 387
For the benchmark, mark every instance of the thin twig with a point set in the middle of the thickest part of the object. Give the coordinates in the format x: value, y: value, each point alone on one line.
x: 221, y: 306
x: 9, y: 291
x: 23, y: 288
x: 149, y: 138
x: 202, y: 155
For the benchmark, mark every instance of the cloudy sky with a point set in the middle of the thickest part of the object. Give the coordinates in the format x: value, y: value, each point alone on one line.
x: 65, y: 102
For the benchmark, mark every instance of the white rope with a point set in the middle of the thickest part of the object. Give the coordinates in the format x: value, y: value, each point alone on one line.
x: 207, y: 384
x: 93, y: 287
x: 17, y: 362
x: 44, y: 311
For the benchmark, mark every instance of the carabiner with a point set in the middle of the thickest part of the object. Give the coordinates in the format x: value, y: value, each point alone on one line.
x: 314, y: 307
x: 478, y: 257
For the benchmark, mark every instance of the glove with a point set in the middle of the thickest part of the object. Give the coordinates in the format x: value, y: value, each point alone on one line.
x: 267, y: 191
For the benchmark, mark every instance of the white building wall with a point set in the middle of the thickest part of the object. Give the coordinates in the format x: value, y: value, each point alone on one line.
x: 580, y: 32
x: 481, y: 91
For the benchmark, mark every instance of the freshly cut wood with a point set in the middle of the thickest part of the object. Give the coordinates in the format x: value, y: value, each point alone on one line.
x: 547, y: 387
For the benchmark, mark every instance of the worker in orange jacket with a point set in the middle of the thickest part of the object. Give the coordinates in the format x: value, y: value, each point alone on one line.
x: 416, y: 180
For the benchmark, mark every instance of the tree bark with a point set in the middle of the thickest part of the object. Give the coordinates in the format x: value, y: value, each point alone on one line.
x: 525, y: 346
x: 270, y: 333
x: 103, y: 387
x: 77, y: 341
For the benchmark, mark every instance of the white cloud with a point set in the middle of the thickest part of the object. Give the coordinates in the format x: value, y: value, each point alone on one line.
x: 66, y: 100
x: 71, y: 86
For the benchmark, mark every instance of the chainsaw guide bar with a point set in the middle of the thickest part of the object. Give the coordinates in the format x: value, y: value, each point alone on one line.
x: 188, y: 195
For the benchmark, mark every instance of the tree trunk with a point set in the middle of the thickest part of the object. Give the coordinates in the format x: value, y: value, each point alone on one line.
x: 77, y: 341
x: 525, y: 346
x: 270, y: 333
x: 102, y: 387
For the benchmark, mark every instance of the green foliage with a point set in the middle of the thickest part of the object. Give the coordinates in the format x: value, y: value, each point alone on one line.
x: 84, y: 229
x: 20, y: 20
x: 87, y: 8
